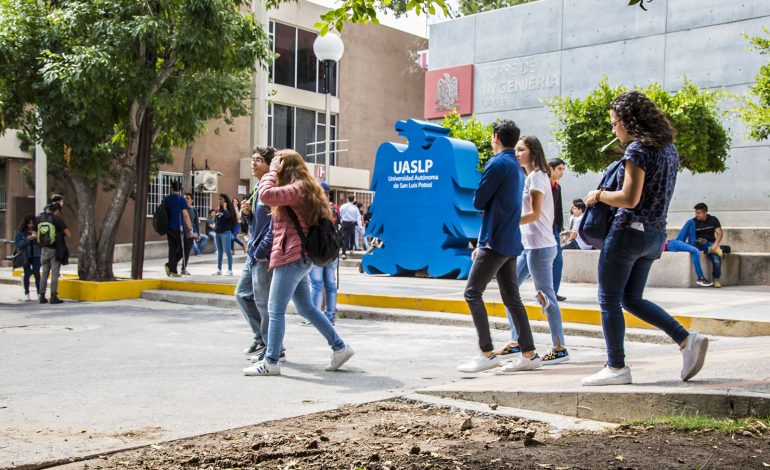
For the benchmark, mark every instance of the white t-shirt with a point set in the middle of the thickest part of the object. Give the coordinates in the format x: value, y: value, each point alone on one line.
x: 538, y: 234
x: 574, y: 225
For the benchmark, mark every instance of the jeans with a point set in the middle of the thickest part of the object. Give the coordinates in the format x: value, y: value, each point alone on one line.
x: 558, y: 263
x: 348, y: 236
x: 32, y: 268
x: 624, y: 264
x: 198, y: 245
x: 694, y: 248
x: 224, y: 245
x: 538, y: 263
x: 175, y: 250
x: 324, y: 279
x: 488, y: 264
x: 188, y: 246
x: 50, y: 265
x: 213, y: 238
x: 252, y: 293
x: 290, y: 283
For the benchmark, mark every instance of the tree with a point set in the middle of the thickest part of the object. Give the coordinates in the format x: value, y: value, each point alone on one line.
x: 755, y: 112
x: 471, y: 130
x: 78, y: 76
x: 583, y: 126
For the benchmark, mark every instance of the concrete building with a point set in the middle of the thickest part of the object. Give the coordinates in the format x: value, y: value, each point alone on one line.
x: 376, y: 83
x: 524, y: 54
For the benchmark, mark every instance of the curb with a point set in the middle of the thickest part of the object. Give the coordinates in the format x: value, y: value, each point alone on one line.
x: 621, y: 405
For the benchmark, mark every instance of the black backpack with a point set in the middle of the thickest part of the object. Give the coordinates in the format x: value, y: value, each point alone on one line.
x: 322, y: 243
x: 160, y: 218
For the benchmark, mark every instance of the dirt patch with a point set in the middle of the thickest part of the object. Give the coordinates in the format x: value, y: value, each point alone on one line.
x: 398, y: 434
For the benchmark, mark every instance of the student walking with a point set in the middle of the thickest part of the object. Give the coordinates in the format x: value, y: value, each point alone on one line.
x: 237, y: 226
x: 499, y: 196
x: 26, y: 242
x: 323, y: 279
x: 179, y: 226
x: 557, y: 172
x: 254, y: 284
x: 223, y: 227
x: 290, y: 190
x: 540, y: 246
x: 647, y: 179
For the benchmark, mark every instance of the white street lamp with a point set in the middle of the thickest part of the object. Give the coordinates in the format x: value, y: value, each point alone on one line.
x: 328, y: 49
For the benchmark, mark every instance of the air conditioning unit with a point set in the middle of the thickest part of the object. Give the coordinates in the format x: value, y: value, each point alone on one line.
x: 207, y: 181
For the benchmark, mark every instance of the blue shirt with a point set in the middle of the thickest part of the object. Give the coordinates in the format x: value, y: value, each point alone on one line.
x: 175, y: 203
x: 499, y: 197
x: 260, y: 230
x: 660, y: 167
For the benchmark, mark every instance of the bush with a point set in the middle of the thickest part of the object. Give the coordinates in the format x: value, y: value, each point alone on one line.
x: 756, y: 114
x: 473, y: 131
x: 583, y: 127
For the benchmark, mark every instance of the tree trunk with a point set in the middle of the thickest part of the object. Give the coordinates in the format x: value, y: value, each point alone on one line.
x: 87, y: 264
x: 187, y: 169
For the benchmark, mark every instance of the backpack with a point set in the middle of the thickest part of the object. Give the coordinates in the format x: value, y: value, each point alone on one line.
x: 160, y: 218
x: 322, y: 243
x: 46, y: 230
x: 597, y: 219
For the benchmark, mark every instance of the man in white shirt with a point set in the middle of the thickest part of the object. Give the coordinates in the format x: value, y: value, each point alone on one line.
x: 573, y: 240
x: 350, y: 216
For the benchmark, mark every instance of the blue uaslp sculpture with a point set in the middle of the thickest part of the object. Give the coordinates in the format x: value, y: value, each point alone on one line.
x: 423, y: 204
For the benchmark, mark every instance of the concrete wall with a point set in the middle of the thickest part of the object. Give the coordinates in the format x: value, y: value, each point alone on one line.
x: 379, y: 84
x: 550, y: 48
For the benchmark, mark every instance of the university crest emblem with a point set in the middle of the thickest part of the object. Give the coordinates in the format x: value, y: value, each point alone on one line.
x: 447, y: 93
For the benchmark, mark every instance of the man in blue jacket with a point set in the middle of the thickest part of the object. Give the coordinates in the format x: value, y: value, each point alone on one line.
x: 499, y: 197
x: 254, y: 285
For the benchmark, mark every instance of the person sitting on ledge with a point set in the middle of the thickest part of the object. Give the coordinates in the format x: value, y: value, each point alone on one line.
x: 571, y: 236
x: 703, y: 233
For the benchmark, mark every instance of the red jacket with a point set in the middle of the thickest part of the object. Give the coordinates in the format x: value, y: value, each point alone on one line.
x: 287, y: 245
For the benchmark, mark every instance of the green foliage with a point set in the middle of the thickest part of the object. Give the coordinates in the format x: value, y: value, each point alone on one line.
x: 706, y: 423
x: 473, y: 131
x: 755, y: 112
x: 583, y: 127
x: 470, y: 7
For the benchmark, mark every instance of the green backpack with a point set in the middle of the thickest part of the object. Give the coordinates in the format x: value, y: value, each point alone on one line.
x: 46, y: 230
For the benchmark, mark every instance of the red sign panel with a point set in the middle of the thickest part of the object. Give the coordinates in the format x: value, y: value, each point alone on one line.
x: 447, y: 89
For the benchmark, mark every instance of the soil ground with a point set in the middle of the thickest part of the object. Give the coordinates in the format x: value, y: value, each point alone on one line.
x: 398, y: 434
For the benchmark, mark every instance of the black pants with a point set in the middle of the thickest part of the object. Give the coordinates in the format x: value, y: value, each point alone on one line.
x: 188, y: 244
x: 348, y: 236
x: 175, y: 250
x: 487, y: 265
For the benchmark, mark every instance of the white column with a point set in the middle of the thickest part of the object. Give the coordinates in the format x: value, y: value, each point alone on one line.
x: 41, y: 179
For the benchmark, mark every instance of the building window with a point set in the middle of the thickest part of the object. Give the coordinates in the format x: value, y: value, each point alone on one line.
x: 160, y: 187
x: 296, y: 65
x: 298, y: 128
x: 3, y: 186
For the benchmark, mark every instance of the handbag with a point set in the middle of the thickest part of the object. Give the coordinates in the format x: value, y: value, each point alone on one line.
x: 19, y: 258
x: 598, y: 218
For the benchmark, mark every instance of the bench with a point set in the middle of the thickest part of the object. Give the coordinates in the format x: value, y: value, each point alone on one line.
x: 673, y: 269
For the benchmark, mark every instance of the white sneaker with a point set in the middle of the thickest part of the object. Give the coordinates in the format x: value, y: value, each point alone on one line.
x: 229, y: 272
x: 607, y: 376
x: 217, y: 273
x: 480, y: 363
x: 262, y: 368
x: 340, y: 357
x: 693, y: 355
x: 522, y: 363
x: 186, y: 272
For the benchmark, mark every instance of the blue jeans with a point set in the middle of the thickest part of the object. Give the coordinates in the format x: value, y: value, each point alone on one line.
x: 624, y: 265
x: 252, y: 293
x: 324, y: 279
x: 558, y: 263
x: 198, y: 246
x: 32, y: 268
x: 224, y: 245
x: 290, y: 283
x: 539, y: 264
x: 694, y: 248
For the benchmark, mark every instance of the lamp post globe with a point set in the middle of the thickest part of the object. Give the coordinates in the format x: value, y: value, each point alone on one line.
x: 328, y: 49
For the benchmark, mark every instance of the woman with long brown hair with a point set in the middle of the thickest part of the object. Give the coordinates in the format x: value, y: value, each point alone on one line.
x: 292, y: 192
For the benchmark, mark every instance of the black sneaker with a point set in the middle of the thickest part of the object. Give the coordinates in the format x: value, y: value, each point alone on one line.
x: 560, y: 298
x: 703, y: 282
x: 43, y: 300
x: 255, y: 348
x: 56, y: 300
x: 555, y: 357
x: 261, y: 357
x: 508, y: 349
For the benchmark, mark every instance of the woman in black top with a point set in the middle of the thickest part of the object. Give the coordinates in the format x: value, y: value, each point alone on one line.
x: 223, y: 227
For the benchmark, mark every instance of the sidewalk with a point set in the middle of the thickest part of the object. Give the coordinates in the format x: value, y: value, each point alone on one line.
x: 740, y: 310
